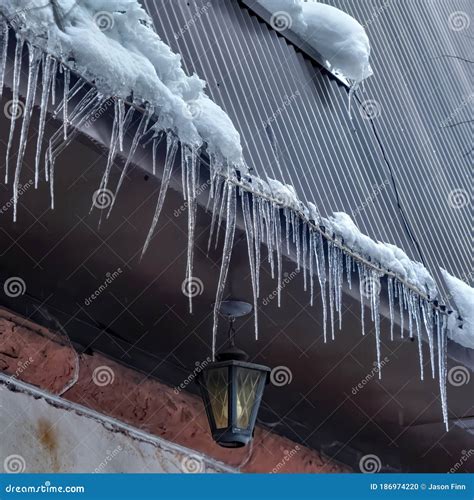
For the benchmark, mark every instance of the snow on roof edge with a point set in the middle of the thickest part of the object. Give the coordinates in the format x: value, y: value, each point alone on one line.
x: 112, y: 44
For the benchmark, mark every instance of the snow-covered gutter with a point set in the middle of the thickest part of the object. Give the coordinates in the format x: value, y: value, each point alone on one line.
x: 110, y: 51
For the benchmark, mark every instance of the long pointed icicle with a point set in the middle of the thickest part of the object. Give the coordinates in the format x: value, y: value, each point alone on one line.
x: 391, y: 304
x: 171, y: 149
x: 216, y: 202
x: 15, y: 107
x: 47, y: 75
x: 66, y: 82
x: 278, y: 245
x: 192, y: 166
x: 416, y: 314
x: 34, y: 57
x: 251, y: 253
x: 136, y: 140
x: 3, y: 53
x: 375, y: 301
x: 226, y: 256
x: 360, y: 270
x: 321, y: 270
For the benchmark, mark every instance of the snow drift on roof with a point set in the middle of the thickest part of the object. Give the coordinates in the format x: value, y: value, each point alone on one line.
x: 337, y: 36
x: 111, y: 43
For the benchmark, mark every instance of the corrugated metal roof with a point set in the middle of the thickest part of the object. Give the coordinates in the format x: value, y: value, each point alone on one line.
x: 274, y: 93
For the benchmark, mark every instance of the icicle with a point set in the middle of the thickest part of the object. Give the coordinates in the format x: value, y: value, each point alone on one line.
x: 278, y: 244
x: 171, y: 150
x: 121, y: 119
x: 407, y: 300
x: 258, y: 241
x: 286, y: 214
x: 218, y: 193
x: 390, y: 304
x: 321, y: 269
x: 251, y: 253
x: 339, y: 268
x: 54, y: 71
x: 226, y: 256
x: 400, y: 303
x: 192, y: 166
x: 331, y: 286
x: 34, y: 58
x: 69, y: 93
x: 416, y: 314
x: 114, y: 139
x: 269, y: 228
x: 375, y: 306
x: 66, y: 81
x: 220, y: 217
x: 3, y: 52
x: 427, y: 312
x: 310, y: 266
x: 296, y: 235
x: 136, y: 140
x: 15, y: 108
x: 47, y: 76
x: 112, y: 152
x: 305, y: 251
x: 349, y: 270
x: 360, y: 269
x: 441, y: 326
x: 154, y: 146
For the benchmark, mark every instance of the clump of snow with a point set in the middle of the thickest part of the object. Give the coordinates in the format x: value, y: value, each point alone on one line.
x: 338, y: 37
x: 284, y: 194
x: 463, y: 297
x: 111, y: 43
x: 388, y: 256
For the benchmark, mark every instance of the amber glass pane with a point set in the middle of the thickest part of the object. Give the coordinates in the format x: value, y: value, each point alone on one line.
x: 247, y: 384
x: 217, y: 382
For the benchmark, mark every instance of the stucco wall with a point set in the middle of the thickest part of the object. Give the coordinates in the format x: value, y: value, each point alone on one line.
x: 32, y: 354
x: 42, y: 434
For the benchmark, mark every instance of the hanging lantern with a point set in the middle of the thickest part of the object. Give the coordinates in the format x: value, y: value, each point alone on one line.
x: 232, y: 390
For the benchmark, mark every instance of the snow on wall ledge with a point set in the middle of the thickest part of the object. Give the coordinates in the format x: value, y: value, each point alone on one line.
x: 272, y: 214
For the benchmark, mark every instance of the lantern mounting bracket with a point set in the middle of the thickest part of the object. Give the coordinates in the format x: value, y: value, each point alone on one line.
x: 232, y: 309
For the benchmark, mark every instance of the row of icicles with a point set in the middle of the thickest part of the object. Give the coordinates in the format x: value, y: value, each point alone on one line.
x: 266, y: 222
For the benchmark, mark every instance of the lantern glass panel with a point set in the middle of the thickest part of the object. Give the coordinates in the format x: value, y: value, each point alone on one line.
x: 217, y: 384
x: 247, y: 381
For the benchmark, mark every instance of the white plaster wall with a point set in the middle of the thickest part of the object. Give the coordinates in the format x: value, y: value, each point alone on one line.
x: 42, y: 433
